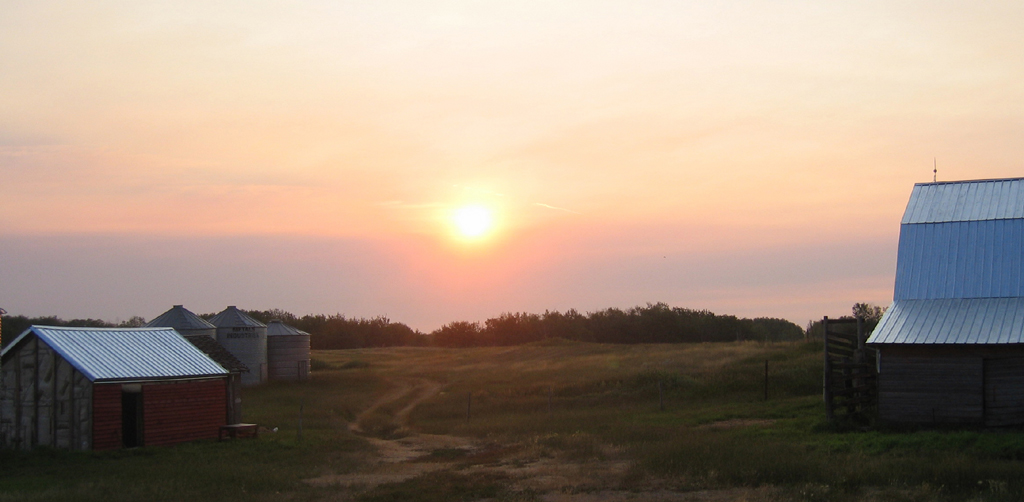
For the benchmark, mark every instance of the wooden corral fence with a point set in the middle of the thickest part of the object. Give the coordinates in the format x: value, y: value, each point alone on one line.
x: 851, y: 371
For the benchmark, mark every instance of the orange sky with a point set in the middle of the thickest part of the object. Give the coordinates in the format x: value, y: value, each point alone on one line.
x: 752, y: 158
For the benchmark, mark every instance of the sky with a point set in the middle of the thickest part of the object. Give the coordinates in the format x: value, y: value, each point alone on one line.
x: 750, y: 158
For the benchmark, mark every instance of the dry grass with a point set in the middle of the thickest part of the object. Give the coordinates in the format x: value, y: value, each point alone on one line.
x: 592, y: 407
x: 550, y: 422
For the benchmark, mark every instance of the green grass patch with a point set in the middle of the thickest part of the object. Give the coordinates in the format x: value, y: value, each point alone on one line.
x: 565, y: 402
x: 443, y: 486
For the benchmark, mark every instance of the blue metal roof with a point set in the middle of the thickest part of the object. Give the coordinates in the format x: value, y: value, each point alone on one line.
x: 960, y: 267
x: 952, y: 321
x: 975, y: 259
x: 966, y: 201
x: 104, y: 354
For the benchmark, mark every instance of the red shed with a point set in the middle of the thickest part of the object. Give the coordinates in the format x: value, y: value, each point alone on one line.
x: 107, y: 388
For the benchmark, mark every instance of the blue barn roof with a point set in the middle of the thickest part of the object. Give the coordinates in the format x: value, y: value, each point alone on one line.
x: 976, y: 200
x: 959, y: 241
x: 953, y: 321
x: 125, y: 354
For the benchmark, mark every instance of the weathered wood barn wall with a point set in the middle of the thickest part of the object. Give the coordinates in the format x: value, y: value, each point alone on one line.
x: 101, y: 388
x: 44, y: 400
x: 951, y: 345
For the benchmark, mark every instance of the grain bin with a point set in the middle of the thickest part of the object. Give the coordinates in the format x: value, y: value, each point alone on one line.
x: 287, y: 352
x: 184, y: 322
x: 246, y: 339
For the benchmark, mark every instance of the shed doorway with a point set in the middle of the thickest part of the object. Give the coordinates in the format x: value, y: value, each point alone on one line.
x: 131, y: 416
x: 1004, y: 391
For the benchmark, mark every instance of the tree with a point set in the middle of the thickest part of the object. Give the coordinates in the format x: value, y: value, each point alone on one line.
x: 133, y: 322
x: 457, y: 334
x: 868, y: 312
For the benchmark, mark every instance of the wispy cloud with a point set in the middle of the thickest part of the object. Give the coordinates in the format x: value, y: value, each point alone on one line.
x: 479, y: 190
x: 398, y: 204
x: 556, y: 208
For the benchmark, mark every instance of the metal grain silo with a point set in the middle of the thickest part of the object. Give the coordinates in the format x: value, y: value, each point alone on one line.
x: 246, y: 339
x: 287, y: 352
x: 184, y: 322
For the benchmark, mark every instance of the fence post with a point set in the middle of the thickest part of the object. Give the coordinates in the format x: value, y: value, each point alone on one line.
x: 827, y: 377
x: 765, y: 379
x: 858, y: 357
x: 300, y: 422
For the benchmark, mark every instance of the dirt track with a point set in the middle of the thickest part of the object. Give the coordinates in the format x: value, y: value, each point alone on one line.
x: 392, y: 461
x: 396, y: 460
x: 422, y: 388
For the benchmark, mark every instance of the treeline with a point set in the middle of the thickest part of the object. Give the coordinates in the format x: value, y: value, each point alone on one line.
x: 653, y: 323
x: 14, y: 325
x: 329, y: 332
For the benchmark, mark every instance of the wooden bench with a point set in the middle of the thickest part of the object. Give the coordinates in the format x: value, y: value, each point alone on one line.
x: 235, y: 431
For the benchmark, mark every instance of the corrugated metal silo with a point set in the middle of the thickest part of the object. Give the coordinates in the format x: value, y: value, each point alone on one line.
x: 287, y: 352
x: 184, y: 322
x: 246, y: 339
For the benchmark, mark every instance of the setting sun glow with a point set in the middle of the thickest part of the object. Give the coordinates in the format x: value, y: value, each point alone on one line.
x: 473, y: 222
x: 442, y: 161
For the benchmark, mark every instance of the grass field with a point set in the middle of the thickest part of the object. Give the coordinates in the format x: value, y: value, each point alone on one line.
x: 553, y: 421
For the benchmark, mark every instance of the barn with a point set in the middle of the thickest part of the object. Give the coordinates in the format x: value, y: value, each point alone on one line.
x: 107, y: 388
x: 951, y: 345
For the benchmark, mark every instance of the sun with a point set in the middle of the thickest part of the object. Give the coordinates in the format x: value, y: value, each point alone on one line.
x: 473, y: 222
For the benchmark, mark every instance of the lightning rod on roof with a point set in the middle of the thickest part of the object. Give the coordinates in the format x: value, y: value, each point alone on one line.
x: 935, y: 170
